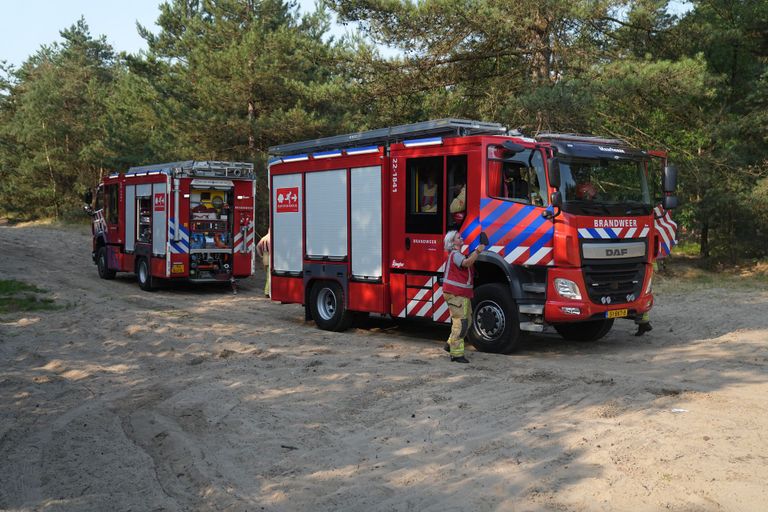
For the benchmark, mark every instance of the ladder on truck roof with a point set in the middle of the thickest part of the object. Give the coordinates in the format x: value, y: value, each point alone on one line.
x: 212, y: 168
x: 386, y: 136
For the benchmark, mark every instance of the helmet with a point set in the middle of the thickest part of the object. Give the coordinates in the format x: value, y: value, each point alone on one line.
x: 585, y: 191
x: 458, y: 217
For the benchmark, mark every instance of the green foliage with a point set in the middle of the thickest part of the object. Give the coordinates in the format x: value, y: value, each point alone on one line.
x: 20, y: 296
x: 226, y: 79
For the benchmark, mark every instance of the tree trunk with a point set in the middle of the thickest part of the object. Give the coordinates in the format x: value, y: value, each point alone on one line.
x: 704, y: 241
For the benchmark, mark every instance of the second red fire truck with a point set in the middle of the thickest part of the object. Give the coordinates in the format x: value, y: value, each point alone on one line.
x: 190, y: 220
x: 358, y: 222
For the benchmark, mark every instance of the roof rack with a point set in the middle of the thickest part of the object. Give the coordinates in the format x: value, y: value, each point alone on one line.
x: 211, y: 168
x: 386, y: 136
x: 575, y: 137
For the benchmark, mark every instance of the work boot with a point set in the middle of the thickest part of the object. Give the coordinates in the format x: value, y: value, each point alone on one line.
x: 643, y: 328
x: 459, y: 359
x: 447, y: 347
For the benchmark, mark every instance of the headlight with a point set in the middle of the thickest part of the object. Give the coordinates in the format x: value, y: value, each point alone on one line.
x: 567, y: 288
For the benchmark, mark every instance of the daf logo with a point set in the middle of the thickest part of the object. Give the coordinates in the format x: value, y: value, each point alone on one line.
x: 616, y: 252
x: 605, y: 300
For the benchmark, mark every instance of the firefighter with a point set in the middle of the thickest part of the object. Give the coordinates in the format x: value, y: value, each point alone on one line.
x: 457, y: 291
x: 263, y: 249
x: 429, y: 195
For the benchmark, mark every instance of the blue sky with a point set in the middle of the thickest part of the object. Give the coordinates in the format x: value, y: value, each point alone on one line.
x: 25, y: 25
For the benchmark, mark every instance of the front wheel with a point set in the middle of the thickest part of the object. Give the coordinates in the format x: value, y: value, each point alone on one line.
x: 326, y: 302
x: 101, y: 264
x: 495, y: 325
x: 592, y: 330
x: 146, y: 282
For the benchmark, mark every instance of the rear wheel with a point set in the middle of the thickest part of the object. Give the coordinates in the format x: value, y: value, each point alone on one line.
x: 326, y: 302
x: 146, y: 281
x: 495, y: 324
x: 101, y: 264
x: 592, y: 330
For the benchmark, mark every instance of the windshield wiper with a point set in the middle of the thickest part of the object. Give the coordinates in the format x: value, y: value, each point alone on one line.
x: 634, y: 206
x: 590, y: 207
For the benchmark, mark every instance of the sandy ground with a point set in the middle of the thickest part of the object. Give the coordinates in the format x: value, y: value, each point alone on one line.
x: 196, y: 399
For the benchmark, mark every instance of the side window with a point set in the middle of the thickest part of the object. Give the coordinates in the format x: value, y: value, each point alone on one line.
x: 538, y: 180
x: 112, y: 204
x: 144, y: 224
x: 516, y: 177
x: 457, y: 191
x: 99, y: 198
x: 424, y: 192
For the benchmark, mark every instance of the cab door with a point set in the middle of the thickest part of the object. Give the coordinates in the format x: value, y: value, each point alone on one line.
x: 424, y: 186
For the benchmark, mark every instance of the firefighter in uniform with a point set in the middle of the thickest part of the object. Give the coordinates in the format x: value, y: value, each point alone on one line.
x: 262, y: 249
x: 457, y: 291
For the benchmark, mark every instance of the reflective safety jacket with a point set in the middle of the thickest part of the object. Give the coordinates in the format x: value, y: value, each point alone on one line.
x: 457, y: 280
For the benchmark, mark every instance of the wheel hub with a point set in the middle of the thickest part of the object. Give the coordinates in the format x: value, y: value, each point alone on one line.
x: 490, y: 320
x: 326, y: 304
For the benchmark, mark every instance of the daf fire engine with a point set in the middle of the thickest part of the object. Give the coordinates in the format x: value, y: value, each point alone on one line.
x: 191, y: 220
x: 358, y: 223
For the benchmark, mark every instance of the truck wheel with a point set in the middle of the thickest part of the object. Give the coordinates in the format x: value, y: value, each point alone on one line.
x: 101, y: 264
x: 146, y: 282
x: 326, y: 302
x: 592, y: 330
x: 495, y: 325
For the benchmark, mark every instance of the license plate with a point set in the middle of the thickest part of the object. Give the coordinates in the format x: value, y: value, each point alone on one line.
x: 616, y: 313
x: 177, y: 268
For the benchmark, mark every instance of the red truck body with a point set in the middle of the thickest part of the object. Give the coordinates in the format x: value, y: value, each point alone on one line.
x: 189, y: 220
x: 359, y: 227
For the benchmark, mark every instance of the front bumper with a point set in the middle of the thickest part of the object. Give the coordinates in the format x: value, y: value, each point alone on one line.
x: 559, y: 309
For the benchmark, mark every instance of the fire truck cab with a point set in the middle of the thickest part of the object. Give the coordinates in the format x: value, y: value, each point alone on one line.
x: 358, y: 223
x: 191, y: 220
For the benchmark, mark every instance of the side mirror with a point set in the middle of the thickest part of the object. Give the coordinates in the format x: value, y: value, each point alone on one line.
x: 670, y: 179
x: 512, y: 147
x: 556, y: 199
x: 88, y: 197
x: 670, y: 202
x: 669, y: 186
x: 88, y: 209
x: 554, y: 173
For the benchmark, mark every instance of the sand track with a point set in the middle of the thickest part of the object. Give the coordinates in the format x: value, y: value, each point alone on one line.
x: 196, y: 399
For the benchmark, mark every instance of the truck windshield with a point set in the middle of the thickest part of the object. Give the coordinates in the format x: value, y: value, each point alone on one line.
x: 604, y: 187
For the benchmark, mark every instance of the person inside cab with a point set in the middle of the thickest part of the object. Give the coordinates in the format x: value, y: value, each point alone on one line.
x: 586, y: 191
x: 429, y: 195
x: 517, y: 187
x: 458, y: 206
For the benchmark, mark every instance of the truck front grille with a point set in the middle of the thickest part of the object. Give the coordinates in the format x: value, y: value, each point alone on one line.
x: 614, y: 283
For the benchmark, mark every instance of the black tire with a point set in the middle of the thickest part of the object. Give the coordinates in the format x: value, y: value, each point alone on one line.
x: 592, y: 330
x: 326, y: 302
x: 101, y: 264
x: 495, y: 323
x: 144, y: 275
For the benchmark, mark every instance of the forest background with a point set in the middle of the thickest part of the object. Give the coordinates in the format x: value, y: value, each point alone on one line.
x: 226, y: 79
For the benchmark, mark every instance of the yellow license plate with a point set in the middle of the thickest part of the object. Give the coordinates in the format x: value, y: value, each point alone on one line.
x: 177, y: 268
x: 616, y: 313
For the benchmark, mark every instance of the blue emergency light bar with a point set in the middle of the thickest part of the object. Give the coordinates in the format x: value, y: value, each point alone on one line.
x: 414, y: 143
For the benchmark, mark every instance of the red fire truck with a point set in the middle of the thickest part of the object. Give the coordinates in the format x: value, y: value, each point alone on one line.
x: 358, y: 223
x: 188, y: 220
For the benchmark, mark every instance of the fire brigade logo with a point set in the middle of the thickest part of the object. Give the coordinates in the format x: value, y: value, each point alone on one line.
x: 287, y: 200
x: 160, y: 202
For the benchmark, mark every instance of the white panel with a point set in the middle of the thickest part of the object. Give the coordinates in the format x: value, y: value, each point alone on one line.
x: 130, y: 217
x: 366, y: 222
x: 327, y: 213
x: 286, y: 224
x: 159, y: 217
x: 144, y: 190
